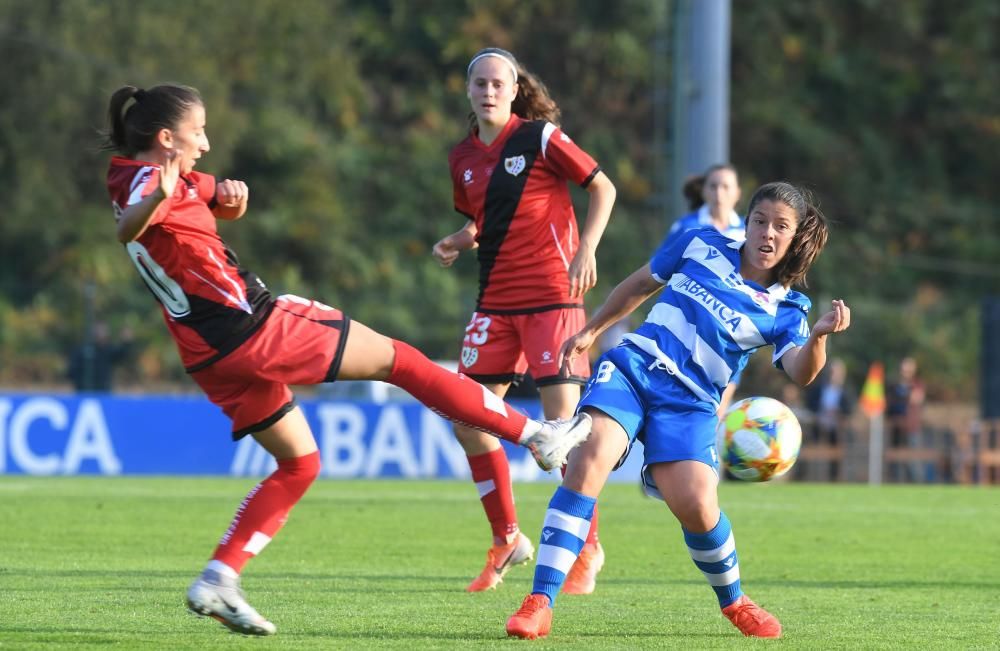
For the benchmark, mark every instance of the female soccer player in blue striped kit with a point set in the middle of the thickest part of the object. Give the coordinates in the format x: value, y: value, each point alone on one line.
x: 712, y: 198
x: 721, y: 301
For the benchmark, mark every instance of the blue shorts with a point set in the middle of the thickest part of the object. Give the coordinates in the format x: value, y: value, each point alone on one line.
x: 653, y: 407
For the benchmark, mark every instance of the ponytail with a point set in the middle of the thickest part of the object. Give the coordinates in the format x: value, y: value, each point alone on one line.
x: 132, y: 127
x: 693, y: 186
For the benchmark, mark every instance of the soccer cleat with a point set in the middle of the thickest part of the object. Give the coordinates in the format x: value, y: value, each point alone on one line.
x: 751, y: 619
x: 222, y: 599
x: 551, y: 444
x: 501, y: 558
x: 532, y: 620
x: 582, y: 577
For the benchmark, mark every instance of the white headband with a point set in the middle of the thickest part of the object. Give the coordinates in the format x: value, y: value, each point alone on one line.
x: 513, y: 68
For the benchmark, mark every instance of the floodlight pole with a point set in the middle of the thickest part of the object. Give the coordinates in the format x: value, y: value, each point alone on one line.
x: 701, y: 92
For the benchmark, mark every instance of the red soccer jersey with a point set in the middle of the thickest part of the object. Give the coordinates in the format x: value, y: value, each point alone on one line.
x: 210, y: 303
x: 515, y: 190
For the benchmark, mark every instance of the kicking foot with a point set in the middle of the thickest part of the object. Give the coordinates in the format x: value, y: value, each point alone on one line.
x: 551, y: 444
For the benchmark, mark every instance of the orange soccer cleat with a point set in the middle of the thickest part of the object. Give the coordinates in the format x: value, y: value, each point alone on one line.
x: 751, y: 619
x: 501, y: 558
x: 532, y: 620
x: 582, y: 576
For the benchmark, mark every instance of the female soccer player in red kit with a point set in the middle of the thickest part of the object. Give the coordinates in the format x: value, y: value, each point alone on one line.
x: 510, y: 180
x: 244, y: 347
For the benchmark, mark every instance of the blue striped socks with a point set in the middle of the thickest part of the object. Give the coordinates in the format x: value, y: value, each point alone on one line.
x: 714, y: 552
x: 567, y: 522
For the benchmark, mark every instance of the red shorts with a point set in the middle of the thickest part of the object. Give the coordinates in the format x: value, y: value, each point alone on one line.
x: 498, y: 348
x: 301, y: 342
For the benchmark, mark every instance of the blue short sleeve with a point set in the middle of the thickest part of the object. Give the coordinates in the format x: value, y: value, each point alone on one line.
x: 667, y: 258
x: 791, y: 325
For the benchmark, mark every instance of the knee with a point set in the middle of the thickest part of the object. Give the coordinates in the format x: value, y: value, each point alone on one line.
x: 301, y: 472
x: 697, y: 514
x: 699, y: 518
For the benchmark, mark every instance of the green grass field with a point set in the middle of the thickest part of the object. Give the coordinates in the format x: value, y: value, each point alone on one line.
x: 96, y: 563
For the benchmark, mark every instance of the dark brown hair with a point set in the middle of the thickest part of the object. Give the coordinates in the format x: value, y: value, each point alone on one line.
x: 532, y: 101
x: 133, y: 129
x: 810, y: 230
x: 694, y: 185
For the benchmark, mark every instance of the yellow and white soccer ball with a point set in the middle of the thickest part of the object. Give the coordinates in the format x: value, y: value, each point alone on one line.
x: 759, y: 439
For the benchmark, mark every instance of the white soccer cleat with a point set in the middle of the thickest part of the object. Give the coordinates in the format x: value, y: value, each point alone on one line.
x: 222, y: 599
x: 551, y: 445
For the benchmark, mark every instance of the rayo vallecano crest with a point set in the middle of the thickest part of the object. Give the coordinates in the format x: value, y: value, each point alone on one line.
x: 514, y: 165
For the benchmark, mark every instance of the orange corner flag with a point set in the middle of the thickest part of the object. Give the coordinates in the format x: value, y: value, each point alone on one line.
x: 873, y: 392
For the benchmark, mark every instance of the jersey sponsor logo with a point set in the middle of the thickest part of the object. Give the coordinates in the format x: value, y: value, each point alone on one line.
x: 470, y: 356
x: 514, y: 165
x: 726, y: 315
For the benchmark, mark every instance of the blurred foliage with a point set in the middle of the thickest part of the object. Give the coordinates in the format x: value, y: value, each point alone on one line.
x: 339, y: 115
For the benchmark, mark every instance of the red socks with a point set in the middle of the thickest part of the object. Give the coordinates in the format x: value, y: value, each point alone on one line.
x: 454, y: 396
x: 491, y: 472
x: 265, y: 510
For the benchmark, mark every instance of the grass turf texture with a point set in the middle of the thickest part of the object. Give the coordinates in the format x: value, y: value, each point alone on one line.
x: 98, y: 563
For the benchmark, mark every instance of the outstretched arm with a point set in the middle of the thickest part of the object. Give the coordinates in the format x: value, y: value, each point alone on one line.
x: 803, y: 363
x: 628, y: 295
x: 447, y: 249
x: 583, y: 268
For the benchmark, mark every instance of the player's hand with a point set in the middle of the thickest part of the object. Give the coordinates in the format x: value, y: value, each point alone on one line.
x: 231, y: 194
x: 170, y: 171
x: 572, y: 348
x: 582, y: 273
x: 836, y: 320
x: 445, y: 252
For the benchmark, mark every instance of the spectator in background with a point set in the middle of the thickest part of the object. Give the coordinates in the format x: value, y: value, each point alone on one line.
x: 712, y: 199
x: 831, y: 402
x: 904, y: 411
x: 92, y: 365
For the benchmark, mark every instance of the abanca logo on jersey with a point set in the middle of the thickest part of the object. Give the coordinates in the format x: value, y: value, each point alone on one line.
x: 725, y: 314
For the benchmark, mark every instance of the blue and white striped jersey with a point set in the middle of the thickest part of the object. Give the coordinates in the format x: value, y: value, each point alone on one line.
x: 708, y: 320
